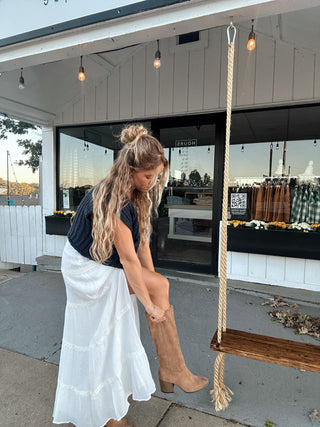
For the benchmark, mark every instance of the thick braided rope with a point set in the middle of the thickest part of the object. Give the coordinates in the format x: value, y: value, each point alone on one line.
x: 222, y: 317
x: 221, y: 394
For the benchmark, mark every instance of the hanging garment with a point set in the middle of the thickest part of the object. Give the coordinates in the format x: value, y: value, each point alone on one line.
x: 305, y: 203
x: 309, y: 218
x: 259, y: 214
x: 316, y: 205
x: 269, y: 203
x: 276, y: 203
x: 102, y: 359
x: 296, y: 204
x: 286, y: 204
x: 254, y: 194
x: 280, y: 213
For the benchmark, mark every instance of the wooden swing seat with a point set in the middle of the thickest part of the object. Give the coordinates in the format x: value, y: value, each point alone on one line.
x: 268, y: 349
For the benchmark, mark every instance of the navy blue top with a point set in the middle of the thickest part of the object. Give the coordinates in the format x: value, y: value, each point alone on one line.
x: 80, y: 236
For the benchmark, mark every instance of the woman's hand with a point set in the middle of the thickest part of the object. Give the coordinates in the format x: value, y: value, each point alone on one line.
x: 156, y: 314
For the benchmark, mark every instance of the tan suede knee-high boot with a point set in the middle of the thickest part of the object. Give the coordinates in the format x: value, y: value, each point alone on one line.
x: 172, y: 370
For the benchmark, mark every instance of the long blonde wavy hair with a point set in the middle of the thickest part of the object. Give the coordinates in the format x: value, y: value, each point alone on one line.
x: 140, y: 151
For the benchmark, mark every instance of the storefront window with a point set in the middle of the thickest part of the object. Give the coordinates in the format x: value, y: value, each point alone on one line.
x: 86, y: 155
x: 275, y: 182
x: 185, y: 217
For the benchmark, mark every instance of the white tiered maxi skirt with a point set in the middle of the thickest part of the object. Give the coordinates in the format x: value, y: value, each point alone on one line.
x: 102, y: 359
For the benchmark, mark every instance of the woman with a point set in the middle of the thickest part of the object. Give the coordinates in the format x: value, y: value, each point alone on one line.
x: 107, y: 258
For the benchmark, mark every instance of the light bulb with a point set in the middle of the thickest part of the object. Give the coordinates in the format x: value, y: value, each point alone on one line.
x: 21, y: 81
x: 277, y: 146
x: 157, y: 56
x: 252, y: 39
x: 251, y: 44
x: 81, y: 75
x: 157, y: 63
x: 315, y: 143
x: 242, y: 149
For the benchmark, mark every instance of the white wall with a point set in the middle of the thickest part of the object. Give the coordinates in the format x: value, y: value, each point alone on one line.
x: 20, y: 234
x: 192, y: 79
x: 274, y: 270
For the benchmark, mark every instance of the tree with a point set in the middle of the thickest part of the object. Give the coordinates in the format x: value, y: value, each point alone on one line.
x: 32, y: 149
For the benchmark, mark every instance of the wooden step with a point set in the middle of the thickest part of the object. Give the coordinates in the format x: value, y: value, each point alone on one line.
x: 269, y: 349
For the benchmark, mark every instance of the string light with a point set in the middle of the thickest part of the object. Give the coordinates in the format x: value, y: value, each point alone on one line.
x: 315, y: 143
x: 242, y: 149
x: 209, y: 150
x: 157, y: 56
x: 252, y: 38
x: 21, y: 81
x: 81, y: 74
x: 277, y: 146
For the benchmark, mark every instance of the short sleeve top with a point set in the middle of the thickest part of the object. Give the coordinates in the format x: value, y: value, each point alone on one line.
x: 80, y: 236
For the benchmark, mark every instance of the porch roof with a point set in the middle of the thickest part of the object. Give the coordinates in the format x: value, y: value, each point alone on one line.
x: 50, y: 63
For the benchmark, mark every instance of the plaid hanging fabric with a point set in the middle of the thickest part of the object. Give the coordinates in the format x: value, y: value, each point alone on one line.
x: 309, y: 218
x: 316, y: 205
x: 305, y: 203
x: 296, y: 204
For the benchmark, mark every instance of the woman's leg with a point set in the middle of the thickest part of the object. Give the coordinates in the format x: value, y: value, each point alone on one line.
x: 172, y: 368
x: 158, y: 287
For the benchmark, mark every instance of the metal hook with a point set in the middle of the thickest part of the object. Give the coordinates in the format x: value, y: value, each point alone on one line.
x: 231, y: 27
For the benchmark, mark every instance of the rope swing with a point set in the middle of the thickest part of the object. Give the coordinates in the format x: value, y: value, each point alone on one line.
x: 221, y: 394
x: 246, y: 344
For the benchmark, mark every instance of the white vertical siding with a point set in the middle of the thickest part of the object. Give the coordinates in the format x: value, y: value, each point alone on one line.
x: 283, y: 72
x: 246, y: 72
x: 196, y: 80
x: 113, y: 101
x: 212, y: 69
x: 263, y: 85
x: 138, y: 84
x: 152, y: 82
x: 101, y: 101
x: 20, y: 234
x: 274, y: 270
x: 192, y: 78
x: 303, y: 77
x: 126, y: 90
x: 166, y: 80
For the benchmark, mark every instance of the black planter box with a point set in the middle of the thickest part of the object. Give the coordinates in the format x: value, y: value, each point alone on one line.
x: 296, y: 244
x: 58, y: 225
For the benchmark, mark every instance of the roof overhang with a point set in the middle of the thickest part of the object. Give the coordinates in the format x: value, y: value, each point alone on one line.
x: 143, y: 27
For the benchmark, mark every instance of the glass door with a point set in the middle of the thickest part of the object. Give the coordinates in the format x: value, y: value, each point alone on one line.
x: 183, y: 230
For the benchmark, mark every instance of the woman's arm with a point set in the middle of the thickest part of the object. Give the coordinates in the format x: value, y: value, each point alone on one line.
x: 123, y: 242
x: 144, y: 255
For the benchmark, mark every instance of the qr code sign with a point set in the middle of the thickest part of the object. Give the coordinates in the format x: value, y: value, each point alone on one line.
x: 238, y: 201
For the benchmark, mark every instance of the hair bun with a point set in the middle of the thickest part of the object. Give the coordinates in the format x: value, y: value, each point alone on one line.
x: 130, y: 133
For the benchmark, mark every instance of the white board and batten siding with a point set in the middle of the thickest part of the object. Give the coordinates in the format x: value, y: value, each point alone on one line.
x: 20, y: 234
x: 274, y: 270
x: 192, y: 79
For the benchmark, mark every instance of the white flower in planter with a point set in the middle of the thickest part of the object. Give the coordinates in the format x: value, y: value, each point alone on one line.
x: 259, y: 225
x: 301, y: 226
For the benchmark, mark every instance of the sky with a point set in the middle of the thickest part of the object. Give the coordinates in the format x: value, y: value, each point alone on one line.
x: 23, y: 173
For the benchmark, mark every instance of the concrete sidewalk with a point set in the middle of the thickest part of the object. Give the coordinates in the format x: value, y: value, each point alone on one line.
x: 31, y: 322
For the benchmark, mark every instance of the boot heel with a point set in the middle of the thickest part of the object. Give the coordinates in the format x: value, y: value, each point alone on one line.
x: 166, y: 387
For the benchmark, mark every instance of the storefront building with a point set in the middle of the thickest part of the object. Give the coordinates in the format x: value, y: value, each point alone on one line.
x: 274, y: 155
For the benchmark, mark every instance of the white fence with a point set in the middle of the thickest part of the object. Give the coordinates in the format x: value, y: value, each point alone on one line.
x: 20, y: 234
